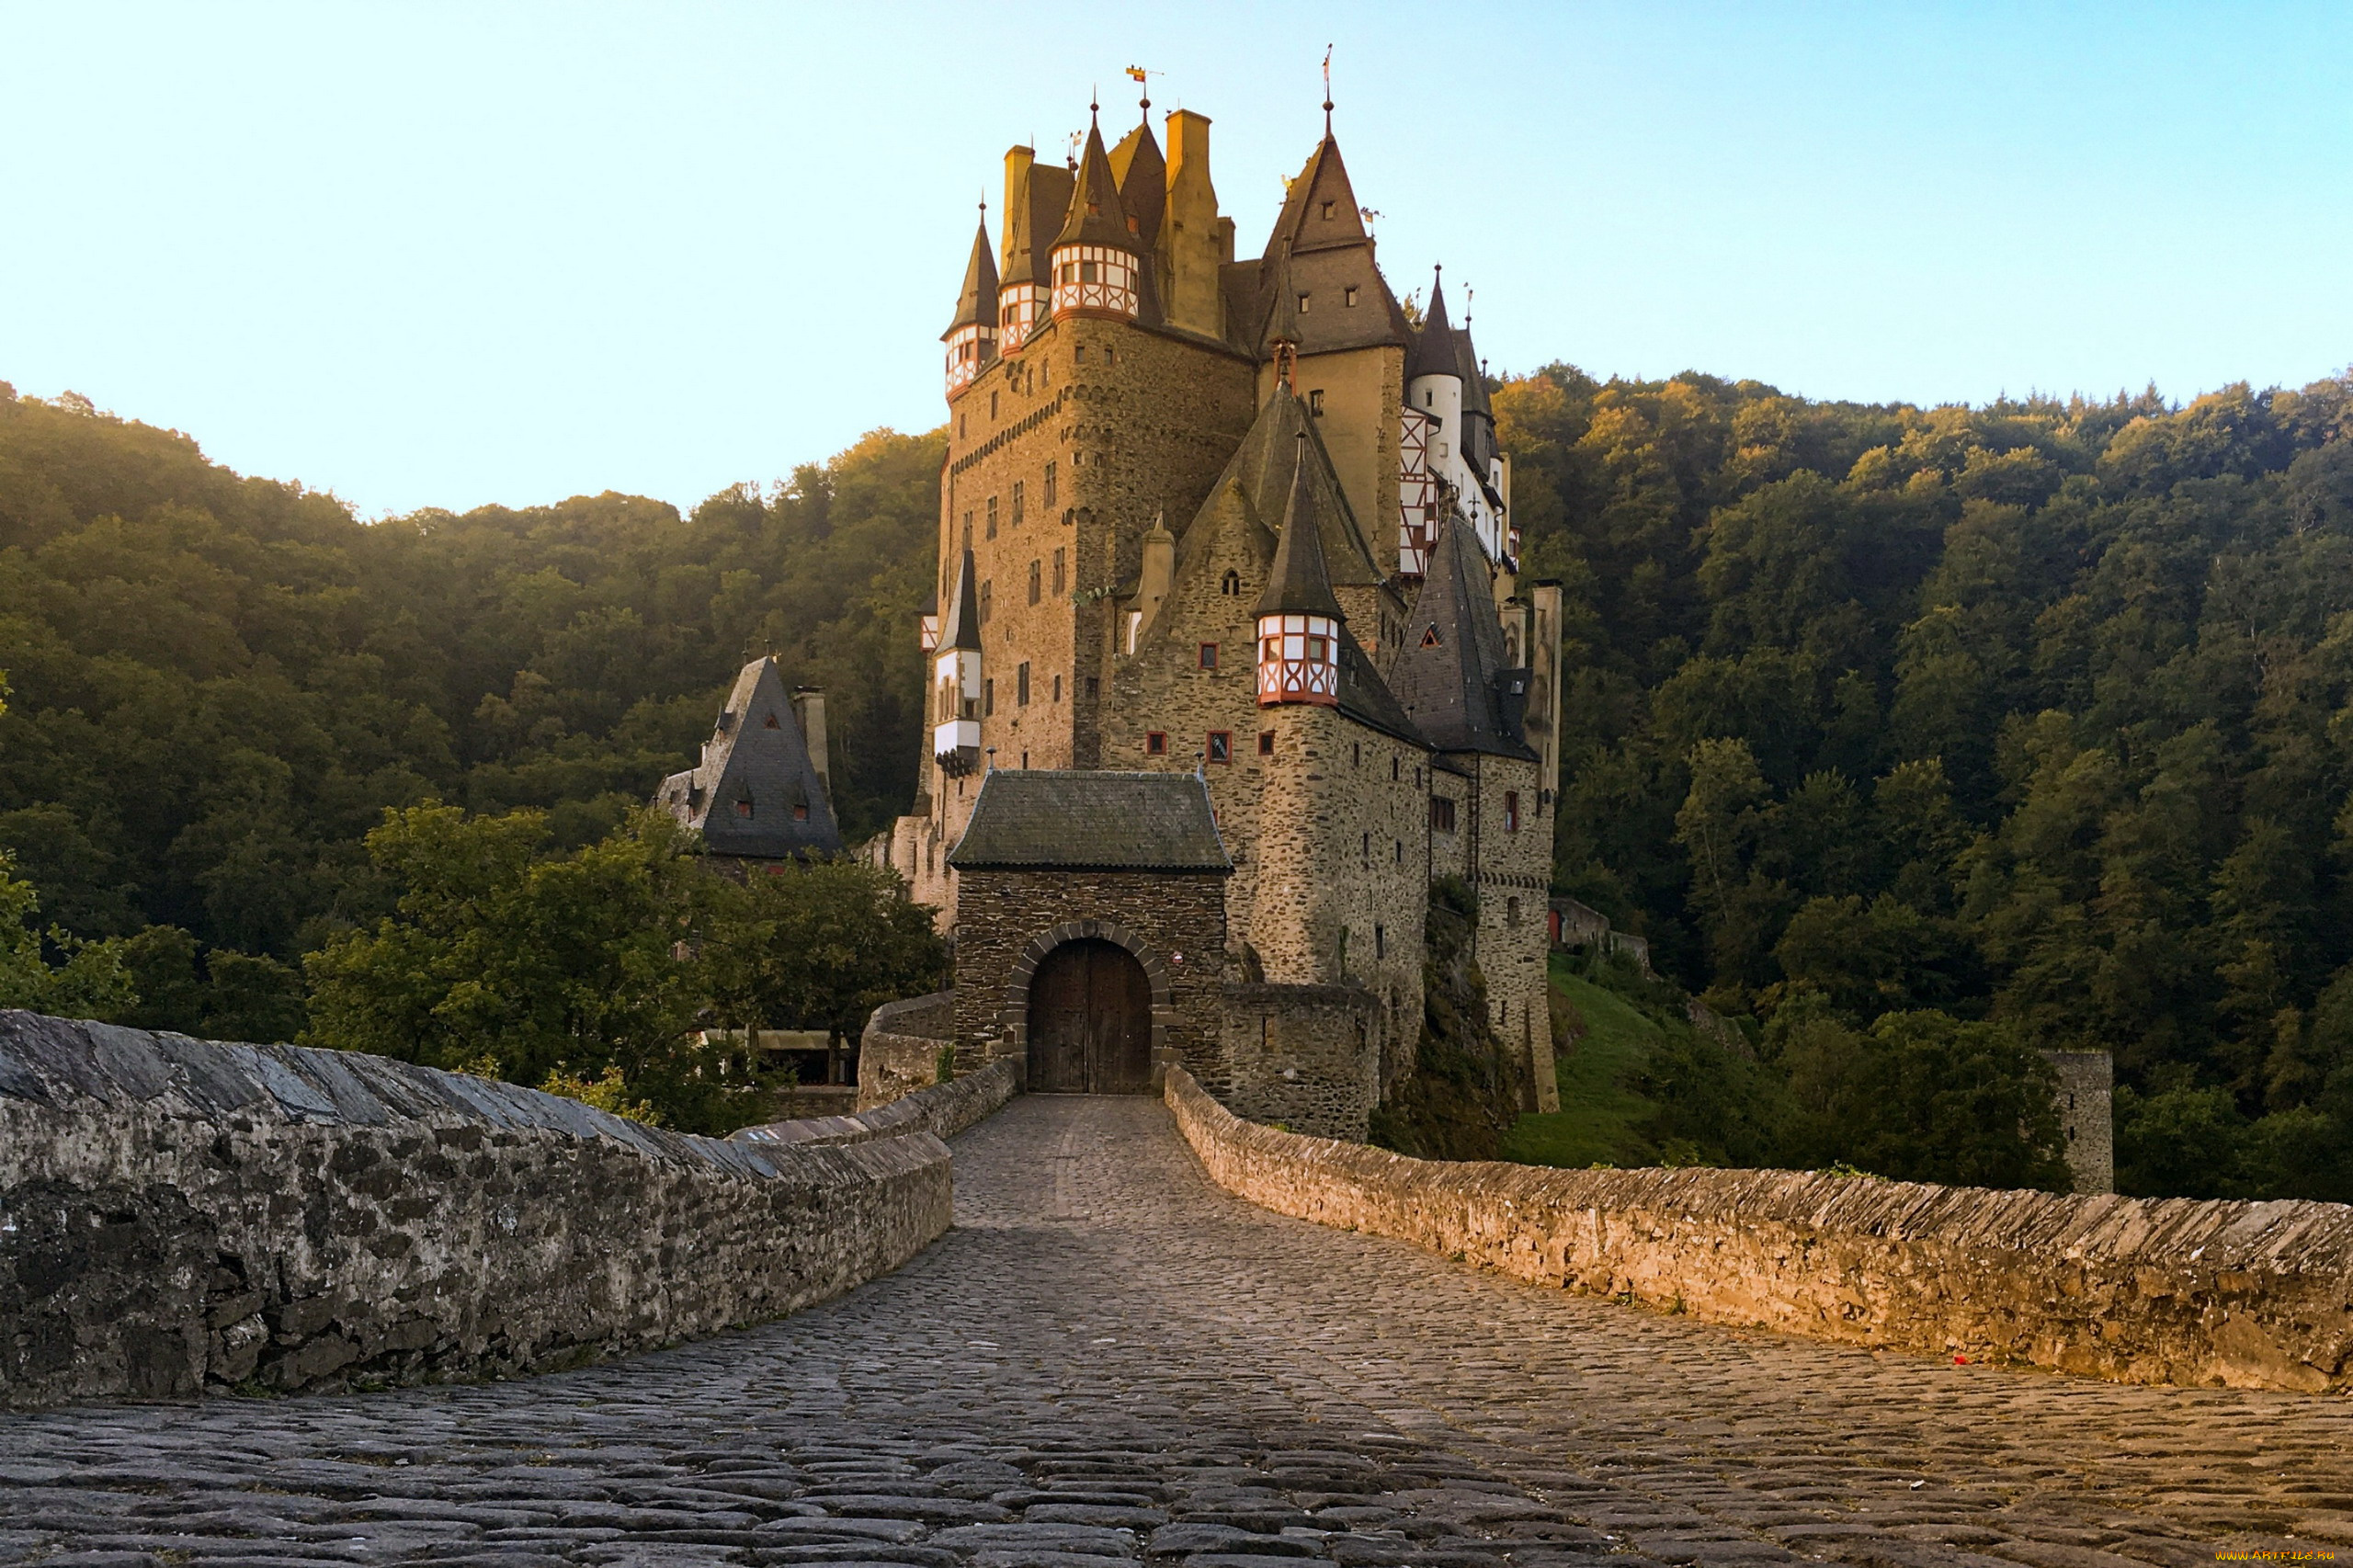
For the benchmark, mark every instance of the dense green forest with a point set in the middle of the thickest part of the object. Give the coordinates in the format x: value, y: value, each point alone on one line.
x: 2032, y: 719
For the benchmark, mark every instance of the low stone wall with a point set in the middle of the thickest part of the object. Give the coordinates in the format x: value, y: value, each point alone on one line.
x: 2147, y: 1291
x: 942, y: 1111
x: 178, y: 1216
x: 899, y: 1053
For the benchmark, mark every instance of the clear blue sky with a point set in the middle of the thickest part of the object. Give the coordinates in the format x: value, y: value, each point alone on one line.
x: 426, y: 254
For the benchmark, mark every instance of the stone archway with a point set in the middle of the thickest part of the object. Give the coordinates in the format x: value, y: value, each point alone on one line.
x: 1090, y: 1021
x: 1019, y: 1011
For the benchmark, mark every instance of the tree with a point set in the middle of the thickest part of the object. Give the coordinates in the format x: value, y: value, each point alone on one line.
x: 502, y: 955
x: 816, y: 947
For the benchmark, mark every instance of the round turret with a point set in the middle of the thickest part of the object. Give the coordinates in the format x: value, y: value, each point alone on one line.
x: 1299, y: 618
x: 1097, y: 258
x: 972, y: 336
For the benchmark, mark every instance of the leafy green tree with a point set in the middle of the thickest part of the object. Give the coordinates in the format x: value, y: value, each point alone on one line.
x: 816, y: 947
x: 501, y: 952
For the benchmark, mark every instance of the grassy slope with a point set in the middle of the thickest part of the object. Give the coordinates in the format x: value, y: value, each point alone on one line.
x: 1599, y: 1112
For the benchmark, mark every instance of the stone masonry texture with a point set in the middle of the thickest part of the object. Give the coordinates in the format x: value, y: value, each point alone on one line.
x: 2172, y: 1290
x: 177, y: 1216
x: 1108, y: 1362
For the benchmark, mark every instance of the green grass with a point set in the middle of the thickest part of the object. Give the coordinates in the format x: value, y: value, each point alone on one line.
x: 1599, y: 1113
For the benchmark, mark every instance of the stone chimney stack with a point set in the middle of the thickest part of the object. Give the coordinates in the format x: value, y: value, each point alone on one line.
x: 809, y: 709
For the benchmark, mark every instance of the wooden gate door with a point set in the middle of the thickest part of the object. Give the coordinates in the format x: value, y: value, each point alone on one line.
x: 1090, y: 1022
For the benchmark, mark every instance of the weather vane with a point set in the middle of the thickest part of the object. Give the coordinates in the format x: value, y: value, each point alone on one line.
x: 1328, y: 89
x: 1142, y: 78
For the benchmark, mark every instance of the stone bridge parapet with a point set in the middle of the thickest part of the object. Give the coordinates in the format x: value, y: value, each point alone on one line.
x: 2142, y: 1290
x: 178, y: 1216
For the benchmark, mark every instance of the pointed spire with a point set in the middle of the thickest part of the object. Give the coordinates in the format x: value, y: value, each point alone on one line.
x: 1434, y: 352
x: 1327, y: 91
x: 976, y: 305
x: 1299, y: 583
x: 1095, y: 216
x: 962, y: 627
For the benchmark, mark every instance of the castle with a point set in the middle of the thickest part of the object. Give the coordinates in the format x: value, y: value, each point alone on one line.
x: 1233, y: 658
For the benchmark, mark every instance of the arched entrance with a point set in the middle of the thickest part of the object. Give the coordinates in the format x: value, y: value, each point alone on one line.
x: 1090, y: 1021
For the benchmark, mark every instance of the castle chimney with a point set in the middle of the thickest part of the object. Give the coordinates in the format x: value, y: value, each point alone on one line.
x: 1193, y: 238
x: 809, y: 709
x: 1159, y: 570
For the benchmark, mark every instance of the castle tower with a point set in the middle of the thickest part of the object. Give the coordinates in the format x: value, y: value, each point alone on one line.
x: 972, y: 336
x: 956, y: 691
x: 1299, y: 618
x: 1098, y: 255
x: 1299, y: 937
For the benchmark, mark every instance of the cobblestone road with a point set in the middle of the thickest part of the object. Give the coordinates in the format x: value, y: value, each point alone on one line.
x: 1110, y: 1360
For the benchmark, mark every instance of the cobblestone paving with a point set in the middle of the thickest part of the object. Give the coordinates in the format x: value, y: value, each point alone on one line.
x: 1110, y: 1360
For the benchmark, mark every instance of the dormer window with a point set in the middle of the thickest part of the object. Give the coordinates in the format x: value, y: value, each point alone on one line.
x: 1303, y: 301
x: 742, y: 808
x: 771, y: 723
x: 1328, y: 208
x: 1349, y: 297
x: 800, y: 813
x: 1315, y: 402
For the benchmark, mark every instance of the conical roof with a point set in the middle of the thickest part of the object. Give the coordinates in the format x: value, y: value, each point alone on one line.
x: 1323, y: 183
x: 977, y: 304
x: 962, y: 627
x: 1453, y: 650
x: 1095, y: 216
x: 1435, y: 352
x: 1144, y: 182
x: 1299, y: 583
x: 1282, y: 323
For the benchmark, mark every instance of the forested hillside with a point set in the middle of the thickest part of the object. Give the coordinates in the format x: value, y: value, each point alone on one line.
x: 2034, y: 715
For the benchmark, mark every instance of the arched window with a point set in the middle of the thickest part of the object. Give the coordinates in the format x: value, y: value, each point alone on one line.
x: 1231, y: 586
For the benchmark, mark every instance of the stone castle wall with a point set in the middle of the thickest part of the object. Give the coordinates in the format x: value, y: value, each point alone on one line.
x: 1512, y: 873
x: 178, y: 1216
x: 2146, y: 1291
x: 1306, y: 1056
x: 899, y: 1053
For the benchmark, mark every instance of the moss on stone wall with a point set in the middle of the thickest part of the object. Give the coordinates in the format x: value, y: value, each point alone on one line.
x: 1464, y: 1090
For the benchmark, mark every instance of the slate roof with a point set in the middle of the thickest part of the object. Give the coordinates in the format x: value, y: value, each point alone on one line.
x: 1035, y: 218
x: 755, y: 754
x: 1298, y: 584
x: 976, y: 303
x: 1434, y: 352
x: 1095, y: 217
x: 1091, y: 821
x: 1264, y: 466
x: 962, y: 627
x: 1445, y: 672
